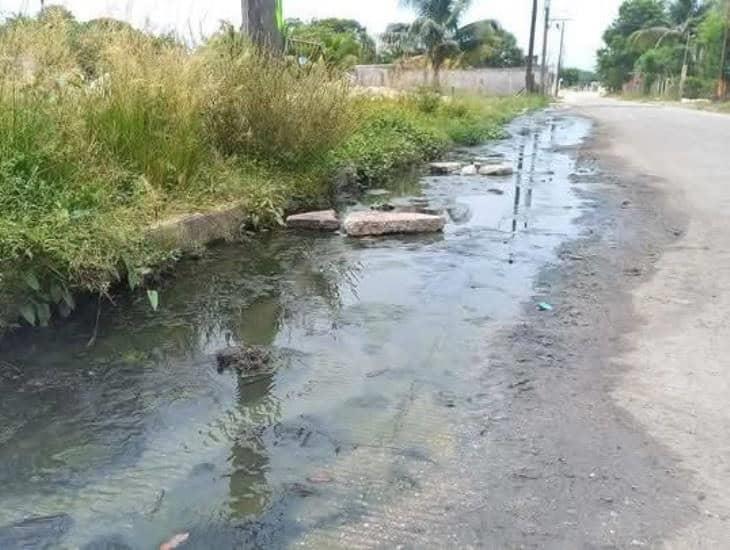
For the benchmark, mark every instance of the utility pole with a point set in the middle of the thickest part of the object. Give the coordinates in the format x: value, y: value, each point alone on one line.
x: 260, y: 22
x: 560, y: 57
x: 530, y: 76
x: 543, y: 72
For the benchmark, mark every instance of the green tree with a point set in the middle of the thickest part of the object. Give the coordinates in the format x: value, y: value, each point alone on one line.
x: 435, y: 29
x: 617, y: 59
x: 711, y: 35
x: 487, y: 44
x: 576, y: 77
x: 338, y: 42
x: 397, y: 42
x: 684, y: 16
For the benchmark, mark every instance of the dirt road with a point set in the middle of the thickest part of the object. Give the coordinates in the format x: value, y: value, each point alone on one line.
x: 675, y: 357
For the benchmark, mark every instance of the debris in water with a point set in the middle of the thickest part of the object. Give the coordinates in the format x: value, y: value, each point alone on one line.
x: 244, y: 359
x: 376, y: 373
x: 320, y: 477
x: 301, y: 490
x: 444, y: 168
x: 175, y: 541
x: 495, y: 191
x: 544, y: 306
x: 520, y: 383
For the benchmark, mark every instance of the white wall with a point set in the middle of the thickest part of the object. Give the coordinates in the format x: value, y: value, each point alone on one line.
x: 486, y: 81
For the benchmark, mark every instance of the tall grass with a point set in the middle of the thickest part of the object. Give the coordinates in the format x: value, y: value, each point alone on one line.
x: 105, y: 130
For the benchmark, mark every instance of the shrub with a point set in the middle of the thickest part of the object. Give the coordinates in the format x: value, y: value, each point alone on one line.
x: 427, y: 100
x: 698, y: 88
x: 105, y: 130
x: 268, y: 108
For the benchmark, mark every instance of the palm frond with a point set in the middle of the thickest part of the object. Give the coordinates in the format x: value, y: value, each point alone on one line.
x: 654, y: 35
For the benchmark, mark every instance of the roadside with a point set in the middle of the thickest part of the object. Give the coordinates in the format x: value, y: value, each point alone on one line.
x: 692, y: 104
x: 588, y: 474
x: 675, y: 382
x: 627, y: 420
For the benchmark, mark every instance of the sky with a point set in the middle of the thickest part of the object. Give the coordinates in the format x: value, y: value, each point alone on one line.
x: 588, y: 18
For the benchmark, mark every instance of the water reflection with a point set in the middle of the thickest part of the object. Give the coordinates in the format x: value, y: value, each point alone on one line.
x: 257, y: 324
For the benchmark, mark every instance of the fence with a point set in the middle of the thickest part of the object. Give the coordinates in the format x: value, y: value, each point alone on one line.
x: 507, y: 81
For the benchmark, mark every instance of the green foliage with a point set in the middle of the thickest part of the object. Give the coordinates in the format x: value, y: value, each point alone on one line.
x: 710, y: 36
x: 576, y: 77
x: 435, y: 29
x: 617, y: 59
x: 436, y: 35
x: 397, y: 42
x: 698, y: 88
x: 487, y: 44
x: 655, y: 40
x: 389, y: 140
x: 427, y: 101
x: 261, y: 106
x: 339, y: 43
x: 105, y: 130
x: 393, y: 134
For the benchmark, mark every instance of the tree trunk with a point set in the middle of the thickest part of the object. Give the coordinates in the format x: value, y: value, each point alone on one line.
x: 258, y: 22
x: 437, y: 77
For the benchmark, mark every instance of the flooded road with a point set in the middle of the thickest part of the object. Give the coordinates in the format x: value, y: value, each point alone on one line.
x: 370, y: 431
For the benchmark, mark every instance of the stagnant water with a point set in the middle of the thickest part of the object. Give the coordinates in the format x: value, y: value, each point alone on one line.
x: 365, y: 435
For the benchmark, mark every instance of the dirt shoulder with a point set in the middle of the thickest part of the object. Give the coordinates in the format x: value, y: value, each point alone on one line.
x: 627, y: 418
x: 599, y: 477
x: 675, y: 362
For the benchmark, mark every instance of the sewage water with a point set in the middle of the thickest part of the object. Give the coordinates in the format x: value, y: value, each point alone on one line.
x: 366, y: 435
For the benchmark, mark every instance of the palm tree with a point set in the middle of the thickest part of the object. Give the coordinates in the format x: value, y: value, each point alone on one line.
x: 685, y: 15
x: 435, y: 28
x: 398, y: 41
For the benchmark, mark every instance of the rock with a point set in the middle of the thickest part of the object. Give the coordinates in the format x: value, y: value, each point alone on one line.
x: 444, y: 168
x: 362, y: 224
x: 495, y: 191
x: 322, y: 220
x: 470, y: 170
x: 250, y: 359
x: 496, y: 170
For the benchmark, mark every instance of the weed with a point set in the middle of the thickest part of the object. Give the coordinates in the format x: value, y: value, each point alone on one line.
x: 105, y: 130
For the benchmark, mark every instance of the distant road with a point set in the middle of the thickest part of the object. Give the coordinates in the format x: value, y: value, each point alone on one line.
x: 678, y: 379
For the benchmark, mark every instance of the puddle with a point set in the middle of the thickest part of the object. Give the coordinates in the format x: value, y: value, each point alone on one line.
x: 366, y: 423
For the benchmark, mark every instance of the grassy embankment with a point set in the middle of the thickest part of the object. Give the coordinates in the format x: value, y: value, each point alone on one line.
x: 105, y: 131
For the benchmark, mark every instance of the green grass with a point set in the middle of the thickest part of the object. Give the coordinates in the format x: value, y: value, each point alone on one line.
x: 105, y: 131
